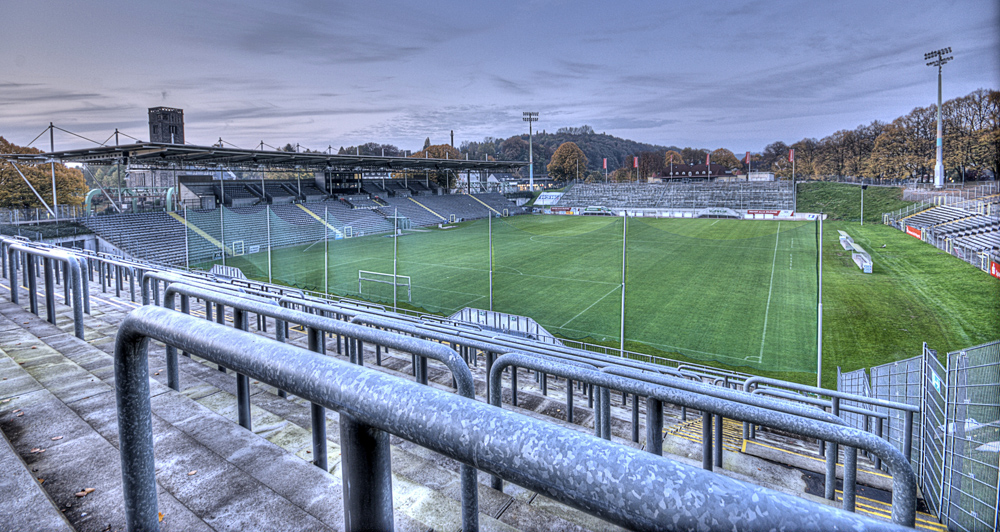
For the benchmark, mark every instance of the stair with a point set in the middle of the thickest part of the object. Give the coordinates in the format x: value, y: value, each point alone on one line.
x: 195, y: 430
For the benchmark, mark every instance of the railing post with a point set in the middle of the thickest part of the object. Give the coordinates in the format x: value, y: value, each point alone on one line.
x: 878, y: 432
x: 242, y: 382
x: 366, y: 467
x: 635, y: 418
x: 850, y: 477
x: 718, y: 440
x: 569, y: 399
x: 50, y: 296
x: 606, y: 413
x: 317, y: 344
x: 830, y: 491
x: 15, y: 287
x: 279, y: 335
x: 706, y: 440
x: 907, y: 434
x: 654, y: 426
x: 32, y: 284
x: 135, y: 434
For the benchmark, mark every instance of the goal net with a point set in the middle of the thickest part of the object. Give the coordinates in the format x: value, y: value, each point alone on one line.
x: 379, y: 285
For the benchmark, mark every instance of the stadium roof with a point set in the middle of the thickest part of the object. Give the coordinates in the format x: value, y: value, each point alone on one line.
x: 153, y: 154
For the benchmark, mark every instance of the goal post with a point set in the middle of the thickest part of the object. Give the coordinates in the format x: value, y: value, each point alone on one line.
x: 372, y: 279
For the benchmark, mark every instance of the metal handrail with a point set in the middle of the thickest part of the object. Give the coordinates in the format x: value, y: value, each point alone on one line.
x: 836, y: 396
x: 904, y: 481
x: 627, y: 487
x: 464, y: 383
x: 76, y: 280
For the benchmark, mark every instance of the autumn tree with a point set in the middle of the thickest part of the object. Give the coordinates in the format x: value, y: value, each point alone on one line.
x: 443, y: 178
x: 725, y: 158
x: 15, y: 193
x: 567, y: 162
x: 672, y: 157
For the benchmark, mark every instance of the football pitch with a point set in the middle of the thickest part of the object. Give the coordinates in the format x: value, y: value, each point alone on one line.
x: 738, y: 292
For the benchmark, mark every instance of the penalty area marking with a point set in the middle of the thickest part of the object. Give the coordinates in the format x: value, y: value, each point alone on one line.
x: 590, y: 307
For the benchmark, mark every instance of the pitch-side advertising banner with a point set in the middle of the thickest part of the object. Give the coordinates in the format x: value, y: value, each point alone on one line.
x: 913, y: 231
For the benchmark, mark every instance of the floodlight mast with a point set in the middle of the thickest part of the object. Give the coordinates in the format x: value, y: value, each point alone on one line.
x: 529, y: 117
x: 939, y: 62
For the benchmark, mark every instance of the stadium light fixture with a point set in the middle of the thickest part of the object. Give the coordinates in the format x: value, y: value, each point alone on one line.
x: 937, y: 58
x: 529, y: 117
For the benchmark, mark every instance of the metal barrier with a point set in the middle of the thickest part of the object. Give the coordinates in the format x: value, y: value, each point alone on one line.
x: 867, y: 415
x: 971, y: 494
x: 904, y: 481
x: 830, y: 481
x: 627, y: 487
x: 836, y: 396
x: 75, y: 284
x: 317, y: 325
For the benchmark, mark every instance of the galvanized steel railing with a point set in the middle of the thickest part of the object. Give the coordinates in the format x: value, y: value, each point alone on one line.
x: 904, y: 481
x: 356, y: 334
x: 74, y: 286
x: 630, y: 488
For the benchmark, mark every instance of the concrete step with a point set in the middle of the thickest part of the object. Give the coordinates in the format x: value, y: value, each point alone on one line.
x: 425, y: 491
x: 252, y: 482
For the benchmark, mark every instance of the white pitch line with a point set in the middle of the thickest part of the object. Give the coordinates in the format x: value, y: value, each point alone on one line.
x: 767, y: 309
x: 591, y: 306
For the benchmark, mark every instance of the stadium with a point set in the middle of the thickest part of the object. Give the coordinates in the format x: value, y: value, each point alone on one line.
x: 331, y: 327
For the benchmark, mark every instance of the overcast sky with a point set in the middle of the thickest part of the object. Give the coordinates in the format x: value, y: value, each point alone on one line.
x: 688, y: 73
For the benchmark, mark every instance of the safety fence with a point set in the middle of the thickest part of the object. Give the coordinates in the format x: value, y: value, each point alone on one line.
x: 957, y: 451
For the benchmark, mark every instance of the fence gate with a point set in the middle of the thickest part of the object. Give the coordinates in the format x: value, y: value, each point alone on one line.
x: 972, y: 446
x: 900, y: 381
x: 932, y: 431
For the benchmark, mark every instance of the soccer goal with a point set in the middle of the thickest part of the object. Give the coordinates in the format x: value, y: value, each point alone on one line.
x: 237, y: 248
x: 377, y: 283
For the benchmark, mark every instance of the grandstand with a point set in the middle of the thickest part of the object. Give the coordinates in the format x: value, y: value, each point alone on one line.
x: 958, y: 230
x: 197, y: 235
x: 736, y: 195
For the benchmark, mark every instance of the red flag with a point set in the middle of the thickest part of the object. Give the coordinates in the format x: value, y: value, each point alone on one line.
x: 791, y: 154
x: 605, y: 163
x: 708, y: 159
x: 635, y: 162
x: 748, y: 158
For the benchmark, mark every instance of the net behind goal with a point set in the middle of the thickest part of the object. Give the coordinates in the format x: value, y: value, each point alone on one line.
x: 382, y: 285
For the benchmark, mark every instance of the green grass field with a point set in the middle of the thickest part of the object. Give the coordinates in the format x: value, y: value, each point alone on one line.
x: 734, y: 294
x: 740, y: 293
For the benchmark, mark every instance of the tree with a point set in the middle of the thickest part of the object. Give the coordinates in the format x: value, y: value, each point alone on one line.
x: 650, y: 163
x: 514, y: 149
x: 672, y: 157
x: 725, y: 158
x: 567, y: 161
x: 15, y: 193
x: 694, y: 156
x: 443, y: 178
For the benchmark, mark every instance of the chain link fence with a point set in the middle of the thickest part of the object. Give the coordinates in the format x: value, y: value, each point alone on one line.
x: 956, y: 447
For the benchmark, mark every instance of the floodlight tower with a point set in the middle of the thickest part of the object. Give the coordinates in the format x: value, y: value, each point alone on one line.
x: 529, y: 117
x: 939, y: 62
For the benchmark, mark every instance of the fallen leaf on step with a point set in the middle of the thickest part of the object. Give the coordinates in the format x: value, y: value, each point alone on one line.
x: 37, y: 450
x: 160, y: 516
x: 19, y: 414
x: 157, y: 373
x: 34, y: 347
x: 5, y: 400
x: 57, y: 438
x: 41, y: 480
x: 16, y: 411
x: 192, y: 472
x: 85, y: 492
